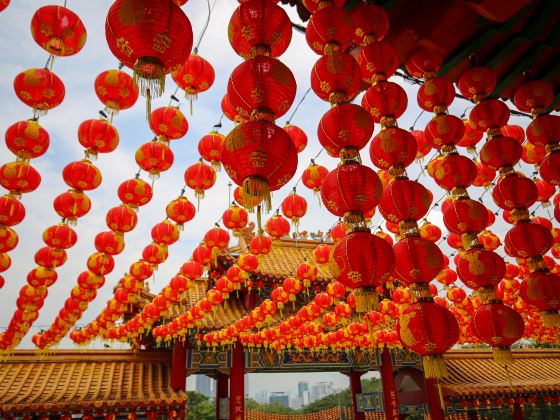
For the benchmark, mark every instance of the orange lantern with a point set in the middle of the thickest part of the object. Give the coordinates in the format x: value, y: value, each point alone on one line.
x: 135, y: 192
x: 154, y: 157
x: 313, y: 176
x: 82, y: 175
x: 235, y: 217
x: 297, y: 135
x: 294, y: 207
x: 200, y: 177
x: 121, y: 219
x: 27, y: 139
x: 180, y: 210
x: 216, y: 238
x: 60, y: 236
x: 109, y: 242
x: 98, y: 136
x: 195, y: 76
x: 72, y: 205
x: 277, y: 226
x: 165, y: 233
x: 210, y: 148
x: 116, y: 90
x: 19, y: 178
x: 168, y: 123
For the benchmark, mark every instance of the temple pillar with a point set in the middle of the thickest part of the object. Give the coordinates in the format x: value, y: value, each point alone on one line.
x: 237, y: 383
x: 434, y: 402
x: 221, y: 392
x: 517, y: 410
x: 388, y: 384
x: 355, y: 389
x: 179, y: 367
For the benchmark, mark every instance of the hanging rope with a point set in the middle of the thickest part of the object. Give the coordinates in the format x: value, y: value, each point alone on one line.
x: 298, y: 105
x: 205, y: 27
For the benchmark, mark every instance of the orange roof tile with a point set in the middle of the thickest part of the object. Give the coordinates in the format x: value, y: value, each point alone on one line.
x: 474, y: 372
x: 71, y: 380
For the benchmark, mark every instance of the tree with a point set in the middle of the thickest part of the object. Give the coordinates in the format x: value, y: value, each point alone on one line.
x: 199, y: 407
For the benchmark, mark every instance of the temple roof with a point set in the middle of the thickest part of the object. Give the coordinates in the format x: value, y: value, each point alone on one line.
x: 474, y: 372
x: 86, y: 380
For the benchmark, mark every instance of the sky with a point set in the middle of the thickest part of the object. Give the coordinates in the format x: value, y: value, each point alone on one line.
x: 78, y: 72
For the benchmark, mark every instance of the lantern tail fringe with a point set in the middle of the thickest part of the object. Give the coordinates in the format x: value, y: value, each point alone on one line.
x: 551, y: 319
x: 366, y: 299
x: 216, y: 165
x: 503, y: 356
x: 149, y: 75
x: 254, y: 192
x: 434, y: 366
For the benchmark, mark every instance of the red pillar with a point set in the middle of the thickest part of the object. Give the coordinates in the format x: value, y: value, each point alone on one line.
x: 221, y: 392
x: 355, y: 389
x: 517, y: 411
x: 388, y: 383
x: 434, y: 402
x: 179, y: 367
x: 237, y: 385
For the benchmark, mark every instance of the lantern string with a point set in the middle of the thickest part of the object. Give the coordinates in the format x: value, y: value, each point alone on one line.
x: 205, y: 27
x: 298, y: 105
x: 173, y: 97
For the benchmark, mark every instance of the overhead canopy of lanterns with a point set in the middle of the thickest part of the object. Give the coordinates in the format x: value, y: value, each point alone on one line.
x: 383, y: 290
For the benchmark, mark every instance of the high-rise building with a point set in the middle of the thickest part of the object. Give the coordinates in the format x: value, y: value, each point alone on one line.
x: 281, y: 398
x: 303, y: 392
x: 203, y: 385
x: 321, y: 390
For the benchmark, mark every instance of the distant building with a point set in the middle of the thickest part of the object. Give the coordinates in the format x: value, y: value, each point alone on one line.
x: 281, y: 398
x: 246, y: 385
x: 262, y: 396
x: 303, y: 387
x: 321, y: 390
x: 296, y: 403
x: 203, y: 385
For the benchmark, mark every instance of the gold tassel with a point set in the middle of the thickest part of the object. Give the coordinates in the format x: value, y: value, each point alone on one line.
x: 434, y: 366
x: 216, y: 165
x: 440, y: 392
x: 366, y: 299
x: 503, y: 356
x: 551, y: 318
x: 254, y: 191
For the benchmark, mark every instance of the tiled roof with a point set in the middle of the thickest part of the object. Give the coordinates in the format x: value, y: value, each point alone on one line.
x: 285, y: 256
x: 474, y: 372
x: 86, y: 380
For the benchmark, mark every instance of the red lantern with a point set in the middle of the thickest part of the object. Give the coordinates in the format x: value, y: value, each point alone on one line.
x: 484, y: 177
x: 430, y: 232
x: 165, y: 233
x: 336, y: 78
x: 404, y: 199
x: 248, y: 262
x: 362, y: 259
x: 259, y: 28
x: 210, y: 148
x: 297, y: 135
x: 423, y: 144
x: 135, y: 192
x: 109, y: 242
x: 42, y: 277
x: 465, y: 216
x: 544, y: 129
x: 100, y: 264
x: 378, y: 61
x: 444, y: 129
x: 235, y: 217
x: 121, y: 219
x: 321, y: 254
x: 72, y: 205
x: 116, y: 90
x: 419, y: 260
x: 499, y: 326
x: 489, y: 240
x: 5, y: 261
x: 541, y: 290
x: 180, y: 210
x: 58, y: 30
x: 19, y: 178
x: 195, y: 76
x: 550, y: 168
x: 385, y: 100
x: 59, y: 236
x: 428, y: 338
x: 261, y: 157
x: 535, y: 95
x: 330, y: 29
x: 27, y: 139
x: 478, y: 267
x: 423, y: 63
x: 477, y: 83
x: 8, y: 239
x: 436, y: 94
x: 455, y: 171
x: 40, y: 89
x: 50, y: 257
x: 490, y: 113
x: 202, y: 255
x: 272, y: 79
x: 192, y: 270
x: 82, y: 175
x: 154, y: 40
x: 446, y: 277
x: 371, y: 23
x: 260, y: 245
x: 345, y: 128
x: 472, y: 136
x: 154, y: 157
x: 313, y: 176
x: 351, y: 190
x: 168, y: 123
x: 277, y: 226
x: 500, y: 151
x: 393, y: 146
x: 230, y: 112
x: 216, y: 238
x: 155, y: 254
x: 545, y: 191
x: 4, y: 4
x: 98, y: 136
x: 294, y: 207
x: 527, y: 240
x: 515, y: 192
x: 200, y: 177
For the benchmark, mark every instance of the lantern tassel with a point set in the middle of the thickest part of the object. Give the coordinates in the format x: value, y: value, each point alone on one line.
x: 551, y: 318
x: 254, y: 191
x: 366, y: 299
x: 434, y: 366
x: 503, y: 356
x: 216, y: 165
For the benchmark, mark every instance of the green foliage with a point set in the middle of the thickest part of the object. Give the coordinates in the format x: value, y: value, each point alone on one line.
x: 199, y: 407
